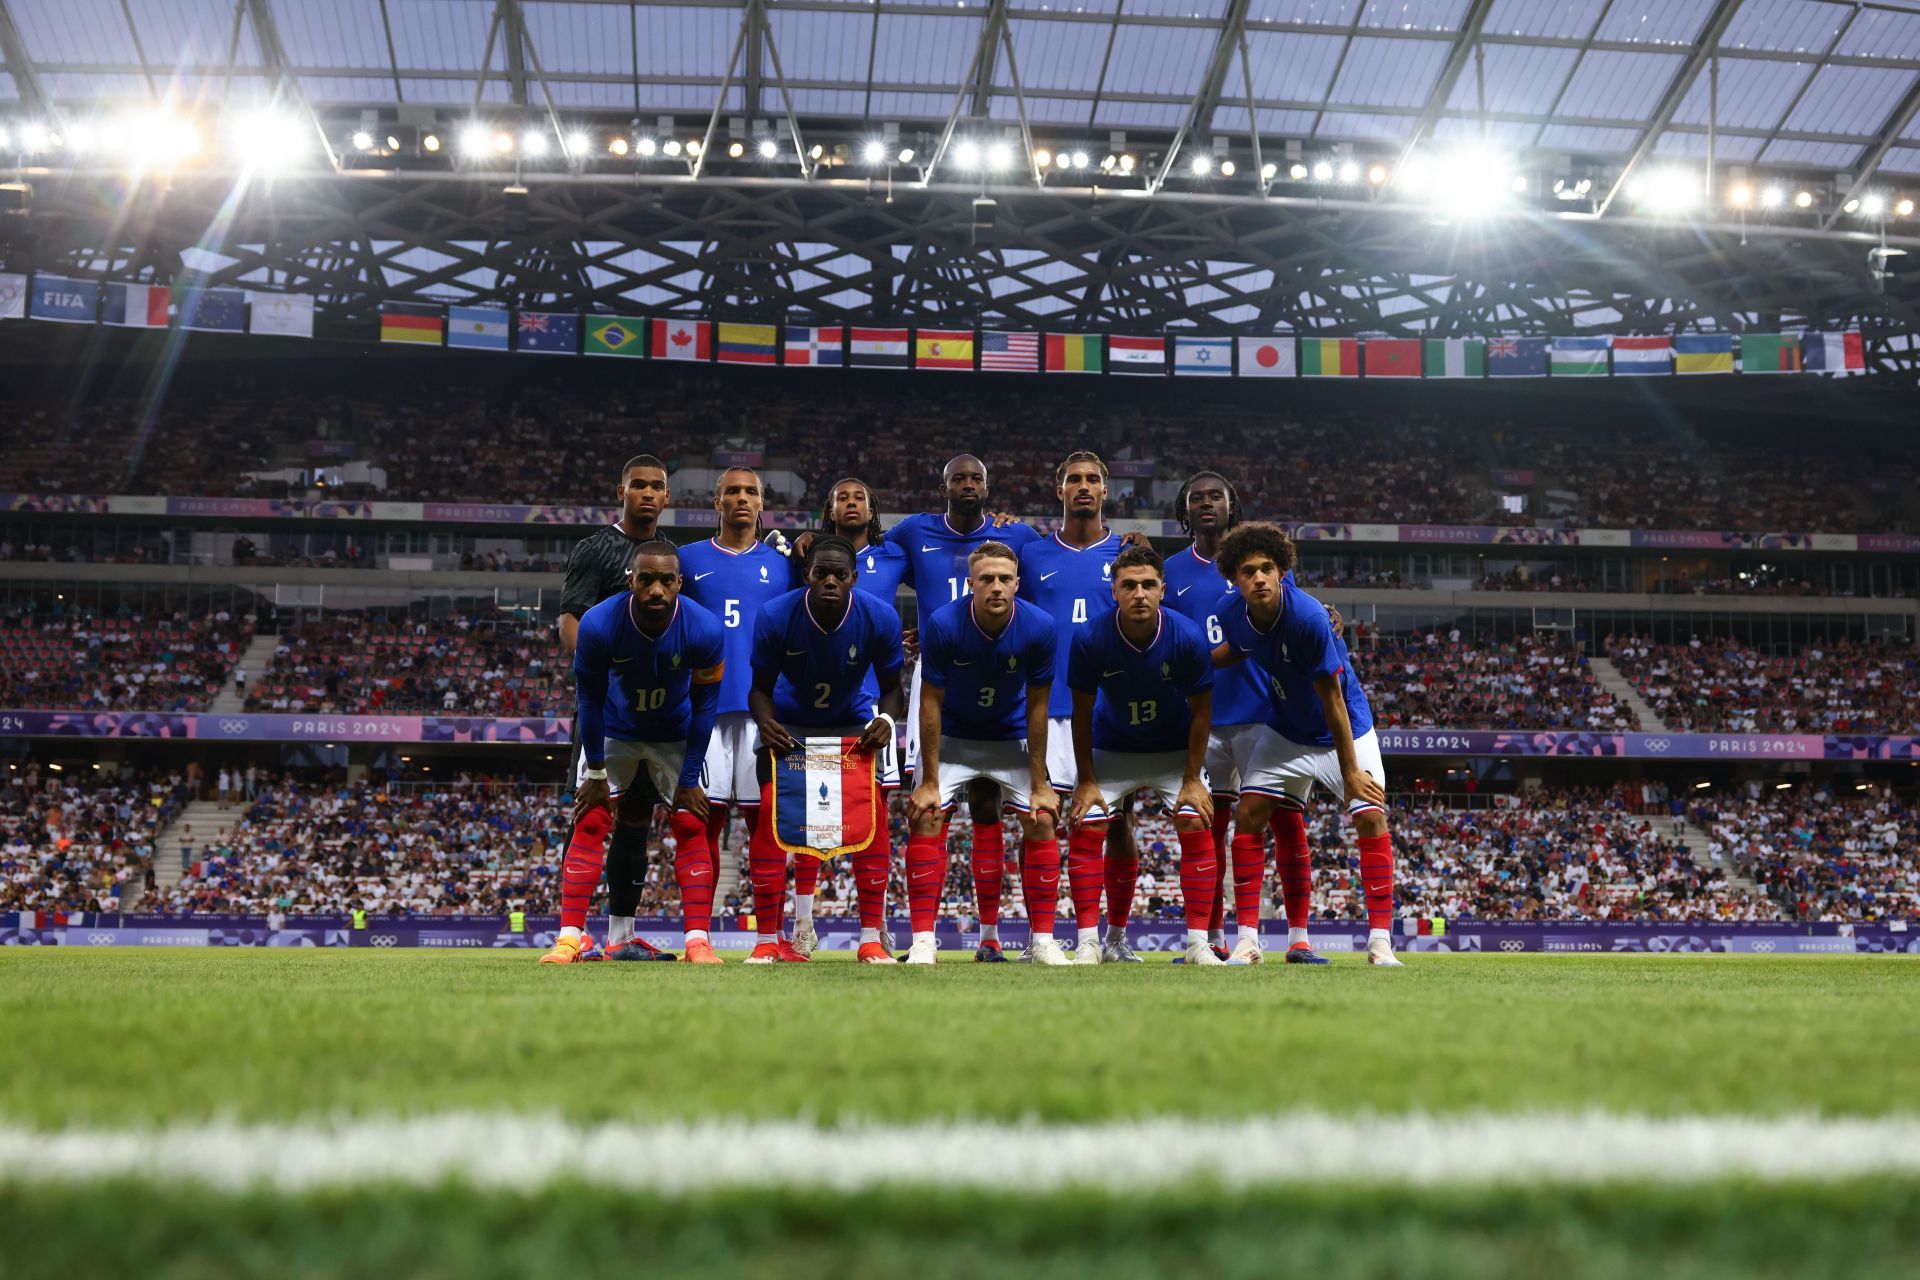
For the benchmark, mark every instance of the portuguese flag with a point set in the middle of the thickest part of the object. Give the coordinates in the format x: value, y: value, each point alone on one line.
x: 1329, y: 358
x: 1073, y: 353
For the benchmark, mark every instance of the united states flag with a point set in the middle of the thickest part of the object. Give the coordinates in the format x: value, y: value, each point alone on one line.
x: 1010, y: 352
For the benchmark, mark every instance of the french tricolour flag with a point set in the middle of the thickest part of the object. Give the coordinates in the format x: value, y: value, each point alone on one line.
x: 135, y: 306
x: 826, y: 800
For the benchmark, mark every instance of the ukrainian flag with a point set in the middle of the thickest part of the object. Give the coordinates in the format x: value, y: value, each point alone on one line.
x: 1703, y: 353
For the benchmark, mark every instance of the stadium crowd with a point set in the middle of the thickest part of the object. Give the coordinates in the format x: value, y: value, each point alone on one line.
x: 1427, y: 680
x: 1821, y: 854
x: 350, y: 663
x: 80, y: 840
x: 1723, y: 686
x: 119, y: 664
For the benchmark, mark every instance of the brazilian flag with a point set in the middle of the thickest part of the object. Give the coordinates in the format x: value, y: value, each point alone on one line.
x: 616, y: 336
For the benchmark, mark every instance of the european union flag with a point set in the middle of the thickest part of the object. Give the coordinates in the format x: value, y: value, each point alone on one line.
x: 214, y: 310
x: 548, y: 333
x: 1517, y: 358
x: 64, y: 301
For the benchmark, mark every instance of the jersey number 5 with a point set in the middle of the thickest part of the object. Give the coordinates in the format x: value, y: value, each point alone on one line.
x: 731, y: 610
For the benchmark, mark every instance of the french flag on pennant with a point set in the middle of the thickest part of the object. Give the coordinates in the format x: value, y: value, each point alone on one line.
x: 826, y: 799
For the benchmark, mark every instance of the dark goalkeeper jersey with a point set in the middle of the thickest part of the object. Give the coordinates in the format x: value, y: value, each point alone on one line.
x: 597, y: 569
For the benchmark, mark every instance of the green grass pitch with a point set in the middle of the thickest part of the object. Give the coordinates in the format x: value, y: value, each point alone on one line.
x: 120, y: 1038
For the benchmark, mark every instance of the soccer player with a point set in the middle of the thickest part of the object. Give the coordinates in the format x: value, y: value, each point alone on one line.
x: 1320, y: 731
x: 647, y: 667
x: 1070, y: 576
x: 596, y: 571
x: 812, y: 650
x: 733, y: 576
x: 1208, y: 507
x: 986, y: 664
x: 1142, y: 682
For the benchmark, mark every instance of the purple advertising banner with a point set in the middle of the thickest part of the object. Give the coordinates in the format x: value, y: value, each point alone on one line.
x: 1900, y: 543
x: 1130, y: 468
x: 739, y: 458
x: 1513, y: 479
x: 1445, y: 533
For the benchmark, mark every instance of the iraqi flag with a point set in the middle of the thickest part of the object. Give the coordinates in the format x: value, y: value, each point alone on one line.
x: 826, y: 799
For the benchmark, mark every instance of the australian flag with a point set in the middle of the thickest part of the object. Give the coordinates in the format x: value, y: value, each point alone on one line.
x: 1517, y: 358
x: 826, y: 799
x: 547, y: 333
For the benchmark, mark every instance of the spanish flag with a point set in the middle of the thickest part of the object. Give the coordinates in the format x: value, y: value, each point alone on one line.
x: 943, y: 349
x: 1073, y: 353
x: 404, y: 322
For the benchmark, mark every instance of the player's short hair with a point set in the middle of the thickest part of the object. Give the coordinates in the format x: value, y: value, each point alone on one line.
x: 1234, y: 514
x: 1255, y: 538
x: 1138, y: 558
x: 641, y: 460
x: 955, y: 458
x: 875, y: 530
x: 824, y: 543
x: 992, y: 551
x: 655, y: 547
x: 718, y: 481
x: 1079, y: 455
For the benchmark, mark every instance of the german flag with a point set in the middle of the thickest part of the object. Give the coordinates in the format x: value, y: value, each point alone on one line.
x: 404, y: 322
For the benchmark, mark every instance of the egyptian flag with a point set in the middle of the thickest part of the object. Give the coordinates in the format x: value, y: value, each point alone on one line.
x: 826, y: 799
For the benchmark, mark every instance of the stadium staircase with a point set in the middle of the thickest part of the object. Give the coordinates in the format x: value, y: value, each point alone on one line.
x: 259, y: 653
x: 1696, y: 839
x: 207, y: 818
x: 1608, y: 677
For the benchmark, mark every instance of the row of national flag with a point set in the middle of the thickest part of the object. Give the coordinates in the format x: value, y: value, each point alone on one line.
x: 155, y: 306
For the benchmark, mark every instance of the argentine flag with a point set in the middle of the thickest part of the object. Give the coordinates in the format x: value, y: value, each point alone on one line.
x: 478, y: 328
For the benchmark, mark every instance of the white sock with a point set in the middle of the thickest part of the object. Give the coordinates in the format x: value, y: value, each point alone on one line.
x: 869, y: 935
x: 1379, y: 935
x: 619, y: 930
x: 1090, y: 937
x: 697, y: 935
x: 922, y: 935
x: 1196, y: 937
x: 767, y: 937
x: 1217, y: 937
x: 570, y: 931
x: 803, y: 908
x: 1250, y: 931
x: 989, y: 933
x: 1296, y: 936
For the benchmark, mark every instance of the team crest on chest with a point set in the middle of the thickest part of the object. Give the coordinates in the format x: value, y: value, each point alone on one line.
x: 763, y: 573
x: 674, y: 661
x: 1013, y: 664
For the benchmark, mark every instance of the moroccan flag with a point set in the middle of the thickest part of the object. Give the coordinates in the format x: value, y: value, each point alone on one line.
x: 749, y: 344
x: 1769, y: 353
x: 1456, y: 358
x: 826, y: 799
x: 615, y: 336
x: 1073, y: 353
x: 1703, y: 353
x: 681, y: 339
x: 1392, y: 357
x: 406, y: 322
x: 1329, y: 358
x: 943, y: 349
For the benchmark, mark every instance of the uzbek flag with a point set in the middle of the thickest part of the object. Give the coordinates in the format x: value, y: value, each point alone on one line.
x: 825, y: 798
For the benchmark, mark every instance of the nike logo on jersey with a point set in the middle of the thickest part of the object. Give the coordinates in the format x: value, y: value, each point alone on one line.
x: 924, y: 550
x: 1182, y: 591
x: 618, y: 661
x: 1045, y: 576
x: 708, y: 574
x: 1107, y: 675
x: 967, y: 663
x: 796, y: 653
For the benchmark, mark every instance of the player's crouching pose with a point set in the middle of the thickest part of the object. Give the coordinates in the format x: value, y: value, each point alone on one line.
x: 1320, y: 731
x: 647, y: 667
x: 1142, y: 681
x: 986, y: 665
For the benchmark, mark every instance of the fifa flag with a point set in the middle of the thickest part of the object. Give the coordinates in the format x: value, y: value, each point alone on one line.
x: 616, y: 336
x: 136, y: 306
x: 286, y: 315
x: 1456, y: 358
x: 63, y: 301
x: 1329, y: 358
x: 826, y: 799
x: 682, y: 339
x: 878, y: 349
x: 1136, y: 355
x: 1642, y: 357
x: 1203, y: 357
x: 1841, y: 355
x: 547, y: 333
x: 1266, y: 358
x: 13, y: 296
x: 943, y: 349
x: 1517, y: 358
x: 1072, y: 353
x: 1391, y: 357
x: 1579, y: 357
x: 1703, y: 353
x: 407, y: 322
x: 815, y: 348
x: 479, y: 328
x: 1769, y: 353
x: 749, y: 344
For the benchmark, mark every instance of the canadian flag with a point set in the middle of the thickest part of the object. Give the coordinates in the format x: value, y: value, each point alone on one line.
x: 682, y: 339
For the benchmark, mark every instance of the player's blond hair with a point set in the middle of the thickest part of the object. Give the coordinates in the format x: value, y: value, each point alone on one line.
x: 992, y: 551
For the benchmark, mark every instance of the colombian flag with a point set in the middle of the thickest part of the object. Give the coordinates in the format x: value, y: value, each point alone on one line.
x: 1331, y: 358
x: 401, y: 322
x: 1073, y: 353
x: 943, y: 349
x: 748, y: 344
x: 825, y: 798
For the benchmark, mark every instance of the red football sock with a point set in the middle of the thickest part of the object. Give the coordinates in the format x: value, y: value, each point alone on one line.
x: 750, y: 814
x: 1249, y: 878
x: 693, y: 869
x: 989, y: 869
x: 1040, y: 883
x: 1199, y: 876
x: 806, y: 874
x: 1294, y: 861
x: 1086, y: 873
x: 870, y: 883
x: 926, y: 873
x: 1122, y: 873
x: 1376, y: 879
x: 716, y: 827
x: 767, y: 864
x: 1222, y: 823
x: 580, y: 873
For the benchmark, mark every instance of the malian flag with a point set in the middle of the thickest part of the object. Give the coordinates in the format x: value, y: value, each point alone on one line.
x: 826, y: 799
x: 813, y: 347
x: 1329, y: 358
x: 681, y: 339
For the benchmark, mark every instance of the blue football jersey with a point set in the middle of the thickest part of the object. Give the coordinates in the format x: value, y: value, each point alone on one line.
x: 1075, y: 587
x: 878, y: 571
x: 1195, y: 590
x: 642, y: 688
x: 986, y: 678
x: 1299, y: 649
x: 819, y: 672
x: 1141, y: 702
x: 734, y: 586
x: 937, y: 553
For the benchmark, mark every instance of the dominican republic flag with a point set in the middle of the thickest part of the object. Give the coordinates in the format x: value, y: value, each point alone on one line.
x: 1841, y: 355
x: 681, y: 340
x: 1128, y: 354
x: 826, y: 799
x: 1642, y: 357
x: 135, y: 306
x: 815, y: 348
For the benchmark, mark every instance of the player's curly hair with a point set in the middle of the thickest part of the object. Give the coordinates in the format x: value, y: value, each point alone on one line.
x: 824, y: 543
x: 1235, y: 514
x: 1255, y: 538
x: 1079, y: 455
x: 1134, y: 557
x: 875, y: 530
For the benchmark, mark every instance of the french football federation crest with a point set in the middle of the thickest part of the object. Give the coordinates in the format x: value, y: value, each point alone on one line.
x: 674, y: 661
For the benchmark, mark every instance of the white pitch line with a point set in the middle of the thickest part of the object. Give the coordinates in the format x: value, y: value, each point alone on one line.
x: 530, y: 1152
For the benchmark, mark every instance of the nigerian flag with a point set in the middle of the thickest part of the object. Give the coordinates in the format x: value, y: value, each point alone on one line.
x: 615, y: 336
x: 1456, y: 358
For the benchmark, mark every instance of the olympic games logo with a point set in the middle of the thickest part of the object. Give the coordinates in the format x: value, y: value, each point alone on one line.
x: 1764, y: 944
x: 383, y: 940
x: 1512, y: 944
x: 1658, y: 744
x: 100, y: 939
x: 233, y: 726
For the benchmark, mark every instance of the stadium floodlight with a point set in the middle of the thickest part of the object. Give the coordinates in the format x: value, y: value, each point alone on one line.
x: 1466, y: 182
x: 1111, y: 163
x: 35, y: 137
x: 735, y: 150
x: 815, y: 151
x: 1297, y: 171
x: 533, y: 143
x: 1904, y: 208
x: 579, y: 143
x: 999, y: 156
x: 967, y: 155
x: 874, y: 152
x: 1740, y: 196
x: 1770, y: 197
x: 476, y: 140
x: 1519, y: 184
x: 619, y: 146
x: 1042, y: 157
x: 769, y: 149
x: 1080, y: 160
x: 1803, y: 199
x: 1063, y: 161
x: 1377, y: 174
x: 266, y: 140
x: 1202, y: 165
x: 1851, y: 206
x: 1268, y: 170
x: 1873, y: 205
x: 430, y: 144
x: 1227, y: 168
x: 1668, y: 190
x: 647, y: 146
x: 503, y: 143
x: 906, y: 155
x: 694, y: 147
x: 671, y: 148
x: 1126, y: 162
x: 362, y: 140
x: 393, y: 143
x: 1323, y: 172
x: 1350, y: 172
